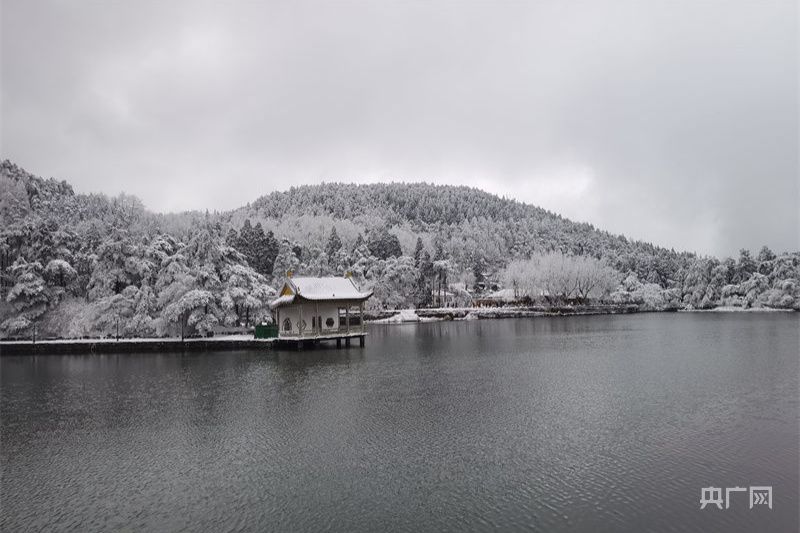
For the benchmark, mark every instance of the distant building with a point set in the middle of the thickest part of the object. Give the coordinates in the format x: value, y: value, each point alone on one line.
x: 319, y: 308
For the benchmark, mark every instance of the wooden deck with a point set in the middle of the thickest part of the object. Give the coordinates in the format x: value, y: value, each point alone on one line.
x: 300, y: 342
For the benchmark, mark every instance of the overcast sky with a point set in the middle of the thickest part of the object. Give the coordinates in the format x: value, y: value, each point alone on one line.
x: 673, y: 122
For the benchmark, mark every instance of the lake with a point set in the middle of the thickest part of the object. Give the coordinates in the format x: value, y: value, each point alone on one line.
x: 603, y: 423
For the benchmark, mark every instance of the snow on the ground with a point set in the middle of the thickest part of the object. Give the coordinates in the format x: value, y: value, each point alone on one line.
x: 734, y: 309
x: 246, y: 337
x: 405, y: 315
x: 140, y: 340
x: 506, y: 295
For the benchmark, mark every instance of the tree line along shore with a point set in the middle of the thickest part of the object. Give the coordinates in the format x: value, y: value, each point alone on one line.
x: 77, y: 265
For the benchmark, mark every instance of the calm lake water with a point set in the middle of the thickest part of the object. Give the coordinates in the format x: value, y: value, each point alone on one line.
x: 608, y: 423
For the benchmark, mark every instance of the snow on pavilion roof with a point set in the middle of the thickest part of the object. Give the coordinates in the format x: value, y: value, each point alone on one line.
x: 318, y: 289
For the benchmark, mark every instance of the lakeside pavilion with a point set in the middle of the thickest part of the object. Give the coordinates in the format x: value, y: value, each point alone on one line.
x: 309, y: 310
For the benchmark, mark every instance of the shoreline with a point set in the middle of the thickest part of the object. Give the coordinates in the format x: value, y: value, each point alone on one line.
x: 402, y: 316
x: 405, y: 316
x: 105, y: 346
x: 731, y: 309
x: 385, y: 317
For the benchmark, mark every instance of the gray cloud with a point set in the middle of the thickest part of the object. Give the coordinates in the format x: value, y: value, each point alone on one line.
x: 674, y: 122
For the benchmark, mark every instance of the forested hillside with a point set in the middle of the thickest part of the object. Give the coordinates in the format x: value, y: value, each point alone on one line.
x: 77, y: 264
x: 81, y: 264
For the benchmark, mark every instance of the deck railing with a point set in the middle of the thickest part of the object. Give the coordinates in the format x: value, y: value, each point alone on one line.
x: 354, y: 329
x: 310, y: 334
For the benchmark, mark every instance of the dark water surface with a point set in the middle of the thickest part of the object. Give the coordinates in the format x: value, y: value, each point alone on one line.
x: 551, y: 424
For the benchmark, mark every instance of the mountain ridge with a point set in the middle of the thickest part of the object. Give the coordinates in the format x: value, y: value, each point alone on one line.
x: 70, y: 260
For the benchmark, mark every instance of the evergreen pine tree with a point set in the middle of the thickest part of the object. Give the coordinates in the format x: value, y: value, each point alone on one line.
x: 271, y: 248
x: 424, y: 277
x: 334, y: 243
x: 418, y: 252
x: 359, y: 242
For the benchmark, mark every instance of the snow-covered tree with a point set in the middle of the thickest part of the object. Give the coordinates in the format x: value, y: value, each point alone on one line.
x: 109, y: 255
x: 60, y: 272
x: 14, y: 204
x: 28, y: 296
x: 334, y: 243
x: 396, y: 284
x: 383, y: 244
x: 286, y: 261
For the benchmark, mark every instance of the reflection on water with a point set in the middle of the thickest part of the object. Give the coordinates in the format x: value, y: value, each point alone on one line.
x: 580, y: 423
